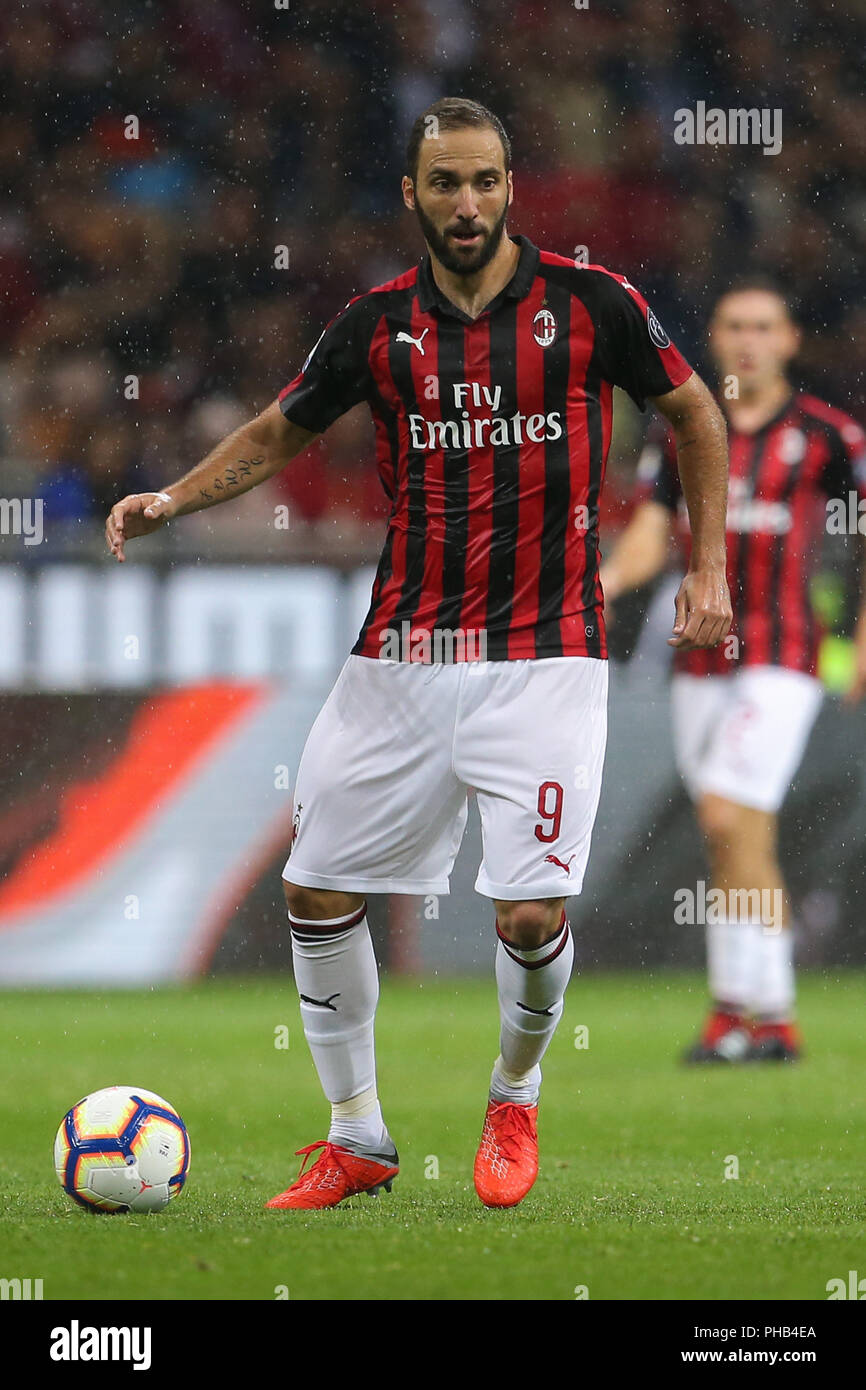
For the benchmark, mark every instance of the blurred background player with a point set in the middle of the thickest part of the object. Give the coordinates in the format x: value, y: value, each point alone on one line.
x: 742, y: 713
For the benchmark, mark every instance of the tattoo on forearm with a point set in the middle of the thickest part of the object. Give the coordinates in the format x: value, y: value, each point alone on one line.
x: 232, y: 476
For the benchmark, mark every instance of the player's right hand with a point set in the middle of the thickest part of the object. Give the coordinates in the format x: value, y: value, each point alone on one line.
x: 703, y: 609
x: 136, y: 515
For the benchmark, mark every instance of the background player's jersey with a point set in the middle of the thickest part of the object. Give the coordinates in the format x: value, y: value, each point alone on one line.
x: 780, y: 479
x: 492, y: 437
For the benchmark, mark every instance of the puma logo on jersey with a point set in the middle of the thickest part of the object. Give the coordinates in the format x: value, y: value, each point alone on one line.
x: 552, y: 859
x: 417, y: 342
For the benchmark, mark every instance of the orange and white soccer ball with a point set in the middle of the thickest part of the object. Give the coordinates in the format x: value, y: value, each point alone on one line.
x: 122, y: 1149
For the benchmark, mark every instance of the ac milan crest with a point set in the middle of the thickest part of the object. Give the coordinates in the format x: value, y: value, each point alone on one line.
x: 544, y: 328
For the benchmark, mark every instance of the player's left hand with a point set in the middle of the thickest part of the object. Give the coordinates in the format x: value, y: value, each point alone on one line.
x: 703, y: 610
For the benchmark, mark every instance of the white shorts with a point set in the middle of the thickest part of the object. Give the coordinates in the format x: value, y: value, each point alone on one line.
x: 742, y: 736
x: 380, y: 796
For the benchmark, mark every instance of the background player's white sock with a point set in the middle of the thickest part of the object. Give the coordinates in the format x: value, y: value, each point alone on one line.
x: 774, y: 989
x: 338, y: 984
x: 732, y: 961
x: 531, y: 985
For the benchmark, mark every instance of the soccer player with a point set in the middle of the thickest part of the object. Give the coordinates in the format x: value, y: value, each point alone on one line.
x: 489, y: 370
x: 742, y: 713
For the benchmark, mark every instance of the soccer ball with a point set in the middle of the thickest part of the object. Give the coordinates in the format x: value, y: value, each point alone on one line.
x: 122, y: 1149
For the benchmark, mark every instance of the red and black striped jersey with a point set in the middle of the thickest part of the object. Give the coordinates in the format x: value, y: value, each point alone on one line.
x: 785, y: 481
x: 492, y: 437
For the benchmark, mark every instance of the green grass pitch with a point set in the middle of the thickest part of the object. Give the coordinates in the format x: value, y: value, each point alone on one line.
x: 632, y: 1201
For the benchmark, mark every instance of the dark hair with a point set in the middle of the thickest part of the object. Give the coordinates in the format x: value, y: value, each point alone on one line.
x: 766, y: 283
x: 452, y: 113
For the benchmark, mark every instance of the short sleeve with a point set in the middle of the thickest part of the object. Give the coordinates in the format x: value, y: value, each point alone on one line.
x: 845, y: 470
x: 635, y: 351
x: 334, y: 377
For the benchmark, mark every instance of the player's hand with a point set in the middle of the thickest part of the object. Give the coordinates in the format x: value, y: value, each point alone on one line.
x: 703, y: 610
x: 136, y: 515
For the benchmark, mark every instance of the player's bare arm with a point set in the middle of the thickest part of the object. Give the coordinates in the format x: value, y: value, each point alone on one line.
x: 703, y: 603
x: 246, y: 457
x: 640, y: 552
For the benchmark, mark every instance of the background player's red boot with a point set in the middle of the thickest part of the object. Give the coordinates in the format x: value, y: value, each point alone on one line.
x: 506, y: 1164
x: 337, y: 1173
x: 725, y: 1039
x: 775, y: 1042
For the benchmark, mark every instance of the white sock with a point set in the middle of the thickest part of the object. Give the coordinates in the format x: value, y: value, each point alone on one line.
x: 531, y: 985
x: 732, y: 959
x: 338, y: 984
x: 358, y: 1121
x: 774, y: 990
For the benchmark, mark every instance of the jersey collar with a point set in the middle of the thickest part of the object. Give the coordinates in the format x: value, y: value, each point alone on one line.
x: 430, y: 296
x: 774, y: 420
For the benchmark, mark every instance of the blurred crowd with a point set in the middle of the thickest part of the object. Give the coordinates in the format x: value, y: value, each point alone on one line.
x: 147, y: 305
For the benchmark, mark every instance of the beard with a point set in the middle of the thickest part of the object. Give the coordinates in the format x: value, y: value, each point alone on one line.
x: 461, y: 264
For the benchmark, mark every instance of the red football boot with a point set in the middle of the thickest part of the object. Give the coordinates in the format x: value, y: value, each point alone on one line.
x: 725, y: 1039
x: 506, y: 1164
x: 337, y: 1173
x: 775, y: 1042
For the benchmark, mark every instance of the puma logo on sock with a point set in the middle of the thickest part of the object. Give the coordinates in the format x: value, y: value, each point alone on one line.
x: 322, y: 1003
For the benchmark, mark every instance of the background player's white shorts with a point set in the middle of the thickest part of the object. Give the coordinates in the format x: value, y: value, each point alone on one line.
x: 742, y: 736
x: 380, y: 796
